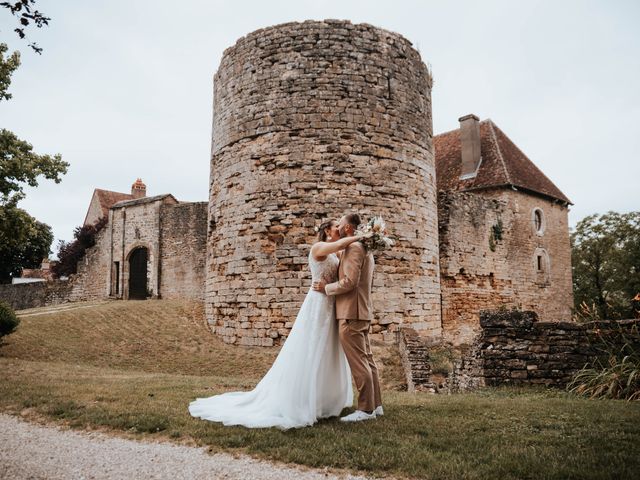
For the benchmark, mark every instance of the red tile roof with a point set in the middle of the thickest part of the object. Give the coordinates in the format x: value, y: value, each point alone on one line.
x: 503, y: 164
x: 107, y: 199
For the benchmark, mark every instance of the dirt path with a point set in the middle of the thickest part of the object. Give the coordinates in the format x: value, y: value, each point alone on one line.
x: 34, y: 452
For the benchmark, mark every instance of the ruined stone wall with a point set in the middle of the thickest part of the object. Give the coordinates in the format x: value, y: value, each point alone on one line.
x: 515, y: 348
x: 473, y: 275
x: 183, y: 244
x: 488, y: 248
x: 91, y: 281
x: 312, y: 120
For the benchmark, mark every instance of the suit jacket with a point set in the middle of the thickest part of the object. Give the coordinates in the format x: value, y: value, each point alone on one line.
x: 353, y: 289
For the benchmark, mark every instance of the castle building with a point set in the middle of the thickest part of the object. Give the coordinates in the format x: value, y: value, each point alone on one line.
x: 313, y: 120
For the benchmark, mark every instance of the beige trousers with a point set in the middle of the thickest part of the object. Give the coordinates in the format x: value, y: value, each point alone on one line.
x: 354, y: 337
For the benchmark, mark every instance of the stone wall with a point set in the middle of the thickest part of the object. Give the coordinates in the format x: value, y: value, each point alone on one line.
x: 91, y: 280
x: 414, y: 354
x: 312, y: 120
x: 514, y: 348
x: 517, y: 349
x: 137, y: 226
x: 183, y: 242
x: 37, y: 294
x: 488, y: 249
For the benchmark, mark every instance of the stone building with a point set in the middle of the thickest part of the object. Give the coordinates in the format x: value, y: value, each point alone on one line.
x: 313, y: 120
x: 150, y: 247
x: 504, y: 234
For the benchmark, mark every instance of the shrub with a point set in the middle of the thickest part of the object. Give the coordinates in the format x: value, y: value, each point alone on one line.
x: 8, y: 320
x: 69, y: 253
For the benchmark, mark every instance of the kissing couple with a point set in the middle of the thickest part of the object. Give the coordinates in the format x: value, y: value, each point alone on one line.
x: 311, y: 377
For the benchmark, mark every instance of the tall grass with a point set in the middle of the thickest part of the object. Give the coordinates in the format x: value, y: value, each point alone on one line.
x: 615, y: 371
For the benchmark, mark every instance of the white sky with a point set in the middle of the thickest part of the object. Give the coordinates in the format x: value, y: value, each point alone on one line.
x: 123, y: 89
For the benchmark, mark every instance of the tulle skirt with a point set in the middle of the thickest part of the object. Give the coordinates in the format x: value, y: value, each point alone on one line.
x: 310, y: 379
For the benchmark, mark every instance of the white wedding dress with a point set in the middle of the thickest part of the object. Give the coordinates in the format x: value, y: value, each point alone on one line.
x: 310, y: 379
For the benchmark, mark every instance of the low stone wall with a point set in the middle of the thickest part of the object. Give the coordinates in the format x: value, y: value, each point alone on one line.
x: 514, y: 348
x: 517, y: 349
x: 36, y: 294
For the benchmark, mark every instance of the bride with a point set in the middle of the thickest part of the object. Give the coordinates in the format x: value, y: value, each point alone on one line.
x: 310, y: 378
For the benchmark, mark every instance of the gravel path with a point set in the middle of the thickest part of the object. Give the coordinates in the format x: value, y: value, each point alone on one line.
x: 34, y: 452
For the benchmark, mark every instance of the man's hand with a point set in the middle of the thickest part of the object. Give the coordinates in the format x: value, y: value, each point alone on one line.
x: 319, y: 286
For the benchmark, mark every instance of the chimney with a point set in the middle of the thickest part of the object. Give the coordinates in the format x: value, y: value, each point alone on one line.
x: 470, y: 140
x: 138, y: 189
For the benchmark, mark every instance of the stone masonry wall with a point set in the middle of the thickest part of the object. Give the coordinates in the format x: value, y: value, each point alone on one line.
x: 313, y: 120
x: 488, y: 249
x: 132, y: 227
x: 548, y: 293
x: 183, y: 243
x: 473, y: 277
x: 37, y: 294
x: 516, y: 348
x: 91, y: 281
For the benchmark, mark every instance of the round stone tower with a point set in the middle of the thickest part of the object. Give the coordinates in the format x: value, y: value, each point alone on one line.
x: 310, y: 121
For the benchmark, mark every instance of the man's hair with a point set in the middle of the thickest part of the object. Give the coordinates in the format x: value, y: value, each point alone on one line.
x: 353, y: 219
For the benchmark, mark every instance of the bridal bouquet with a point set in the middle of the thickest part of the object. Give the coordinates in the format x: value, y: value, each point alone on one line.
x: 376, y: 237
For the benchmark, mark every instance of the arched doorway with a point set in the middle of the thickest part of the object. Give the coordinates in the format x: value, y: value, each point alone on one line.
x: 138, y: 274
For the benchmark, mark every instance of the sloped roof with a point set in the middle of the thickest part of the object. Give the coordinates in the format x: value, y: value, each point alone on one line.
x: 139, y: 201
x: 107, y: 198
x: 503, y: 164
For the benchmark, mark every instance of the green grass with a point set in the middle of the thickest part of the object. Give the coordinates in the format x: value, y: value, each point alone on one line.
x: 494, y: 433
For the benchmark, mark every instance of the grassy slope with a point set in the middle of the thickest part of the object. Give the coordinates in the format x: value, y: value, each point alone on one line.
x: 134, y: 366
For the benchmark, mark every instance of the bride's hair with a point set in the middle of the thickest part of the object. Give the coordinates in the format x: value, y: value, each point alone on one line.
x: 322, y: 235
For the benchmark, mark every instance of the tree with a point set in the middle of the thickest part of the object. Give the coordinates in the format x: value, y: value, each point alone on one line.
x: 606, y: 263
x: 24, y: 242
x: 27, y: 14
x: 18, y: 163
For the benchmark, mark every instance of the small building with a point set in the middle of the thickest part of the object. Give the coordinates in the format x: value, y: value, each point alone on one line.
x: 150, y: 247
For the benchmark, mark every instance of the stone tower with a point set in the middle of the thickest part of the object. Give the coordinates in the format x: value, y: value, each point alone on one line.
x: 312, y: 120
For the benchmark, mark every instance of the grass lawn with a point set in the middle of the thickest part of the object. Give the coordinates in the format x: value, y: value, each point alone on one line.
x: 133, y: 367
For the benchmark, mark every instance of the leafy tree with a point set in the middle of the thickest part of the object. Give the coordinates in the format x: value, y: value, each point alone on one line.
x: 26, y: 13
x: 606, y: 264
x: 24, y: 242
x: 18, y: 163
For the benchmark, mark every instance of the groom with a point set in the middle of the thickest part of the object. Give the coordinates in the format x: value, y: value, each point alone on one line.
x: 354, y: 314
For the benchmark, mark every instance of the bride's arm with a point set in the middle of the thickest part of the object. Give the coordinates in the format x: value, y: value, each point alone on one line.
x: 322, y: 249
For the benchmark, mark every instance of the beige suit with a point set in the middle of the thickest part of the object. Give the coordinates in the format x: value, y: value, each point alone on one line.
x: 354, y: 313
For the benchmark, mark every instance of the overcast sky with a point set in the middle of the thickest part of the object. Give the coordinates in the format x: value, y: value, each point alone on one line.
x: 123, y: 89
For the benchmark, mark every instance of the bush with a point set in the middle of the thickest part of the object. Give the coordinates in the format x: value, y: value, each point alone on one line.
x: 69, y: 253
x: 8, y: 320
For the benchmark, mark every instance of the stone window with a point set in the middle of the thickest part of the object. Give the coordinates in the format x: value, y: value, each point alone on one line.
x: 538, y: 221
x: 541, y: 267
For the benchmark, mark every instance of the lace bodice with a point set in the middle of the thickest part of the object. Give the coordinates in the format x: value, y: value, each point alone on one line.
x: 326, y: 269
